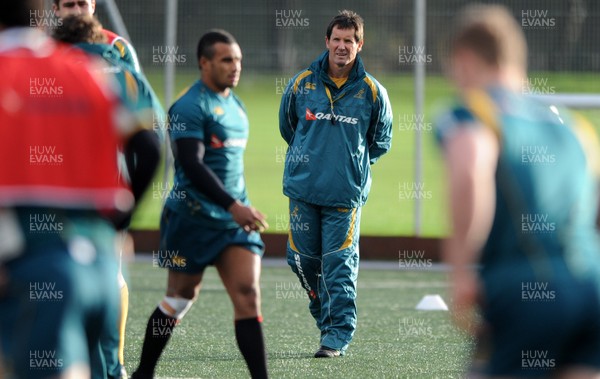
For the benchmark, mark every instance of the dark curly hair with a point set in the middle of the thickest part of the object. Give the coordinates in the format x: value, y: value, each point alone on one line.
x: 80, y: 29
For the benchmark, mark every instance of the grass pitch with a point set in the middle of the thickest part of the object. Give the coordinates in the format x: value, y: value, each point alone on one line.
x: 390, y: 209
x: 393, y: 340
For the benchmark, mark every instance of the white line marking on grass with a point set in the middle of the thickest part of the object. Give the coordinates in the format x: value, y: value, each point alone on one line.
x: 364, y: 264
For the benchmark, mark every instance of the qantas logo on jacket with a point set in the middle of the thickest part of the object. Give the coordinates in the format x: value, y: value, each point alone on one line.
x: 322, y: 116
x: 216, y: 143
x: 310, y: 116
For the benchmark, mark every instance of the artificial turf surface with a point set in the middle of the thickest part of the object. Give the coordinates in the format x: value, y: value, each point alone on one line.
x: 393, y: 340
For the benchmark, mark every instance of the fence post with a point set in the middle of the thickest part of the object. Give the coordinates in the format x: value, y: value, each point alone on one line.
x: 170, y: 40
x: 420, y: 12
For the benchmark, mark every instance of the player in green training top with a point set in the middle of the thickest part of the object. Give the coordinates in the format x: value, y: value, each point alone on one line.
x: 207, y: 218
x: 86, y: 33
x: 65, y: 8
x: 524, y: 199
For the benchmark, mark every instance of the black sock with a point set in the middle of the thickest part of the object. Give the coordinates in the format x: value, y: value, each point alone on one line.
x: 249, y: 335
x: 158, y: 332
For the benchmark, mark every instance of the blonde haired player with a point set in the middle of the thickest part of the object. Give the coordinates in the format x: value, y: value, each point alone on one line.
x: 524, y: 200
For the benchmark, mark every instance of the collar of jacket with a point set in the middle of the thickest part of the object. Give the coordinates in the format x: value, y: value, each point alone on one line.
x: 321, y: 65
x: 107, y: 52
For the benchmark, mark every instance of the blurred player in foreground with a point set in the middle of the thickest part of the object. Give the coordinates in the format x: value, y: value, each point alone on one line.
x: 207, y: 219
x: 127, y: 54
x: 135, y: 92
x: 523, y: 203
x: 58, y: 191
x: 64, y: 8
x: 337, y: 121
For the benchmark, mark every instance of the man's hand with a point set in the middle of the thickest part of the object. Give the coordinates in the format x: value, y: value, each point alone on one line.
x: 247, y: 217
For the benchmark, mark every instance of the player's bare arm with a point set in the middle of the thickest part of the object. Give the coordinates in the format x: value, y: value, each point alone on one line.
x: 472, y: 197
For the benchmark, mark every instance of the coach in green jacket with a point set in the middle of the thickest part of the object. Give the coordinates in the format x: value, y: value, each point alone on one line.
x: 337, y: 121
